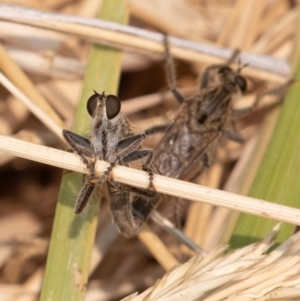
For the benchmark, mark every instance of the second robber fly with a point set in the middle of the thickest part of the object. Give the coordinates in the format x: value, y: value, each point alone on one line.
x: 189, y: 142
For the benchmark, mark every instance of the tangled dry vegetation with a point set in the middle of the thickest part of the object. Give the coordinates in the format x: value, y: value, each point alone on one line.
x: 54, y: 65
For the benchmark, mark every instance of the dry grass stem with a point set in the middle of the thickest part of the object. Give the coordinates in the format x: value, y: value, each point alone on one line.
x: 33, y: 107
x: 286, y: 25
x: 147, y: 101
x: 23, y: 82
x: 61, y: 67
x: 163, y: 185
x: 128, y: 37
x: 157, y: 248
x: 147, y: 237
x: 167, y: 13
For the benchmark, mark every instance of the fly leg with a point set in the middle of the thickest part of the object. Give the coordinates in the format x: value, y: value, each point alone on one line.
x: 275, y: 91
x: 82, y: 147
x: 83, y: 197
x: 171, y: 73
x: 156, y: 129
x: 127, y: 152
x: 147, y: 199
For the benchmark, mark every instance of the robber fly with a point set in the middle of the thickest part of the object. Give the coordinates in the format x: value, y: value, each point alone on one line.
x: 189, y: 142
x: 111, y: 139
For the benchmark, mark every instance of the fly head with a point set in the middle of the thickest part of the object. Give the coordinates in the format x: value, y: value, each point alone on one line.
x: 228, y: 76
x: 110, y: 105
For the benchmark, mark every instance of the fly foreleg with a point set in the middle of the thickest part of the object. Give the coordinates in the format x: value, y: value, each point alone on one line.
x: 82, y: 147
x: 275, y: 91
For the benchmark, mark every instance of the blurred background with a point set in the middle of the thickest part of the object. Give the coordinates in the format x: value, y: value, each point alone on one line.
x: 56, y: 62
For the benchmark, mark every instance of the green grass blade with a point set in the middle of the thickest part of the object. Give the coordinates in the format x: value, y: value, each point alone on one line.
x: 72, y: 235
x: 278, y: 177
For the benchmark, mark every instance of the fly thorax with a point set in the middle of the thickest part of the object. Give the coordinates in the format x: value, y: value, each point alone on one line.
x: 112, y: 138
x: 98, y: 133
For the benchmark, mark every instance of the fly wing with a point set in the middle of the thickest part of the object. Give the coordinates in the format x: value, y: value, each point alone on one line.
x: 183, y: 152
x: 169, y: 152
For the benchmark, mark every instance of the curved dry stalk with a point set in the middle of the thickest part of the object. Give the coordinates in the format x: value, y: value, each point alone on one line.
x: 128, y: 37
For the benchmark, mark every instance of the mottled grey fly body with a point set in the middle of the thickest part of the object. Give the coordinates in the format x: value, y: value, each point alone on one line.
x: 189, y: 142
x: 112, y: 140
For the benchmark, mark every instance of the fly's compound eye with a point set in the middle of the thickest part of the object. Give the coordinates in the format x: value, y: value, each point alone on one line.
x: 241, y: 82
x: 92, y: 103
x: 113, y: 106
